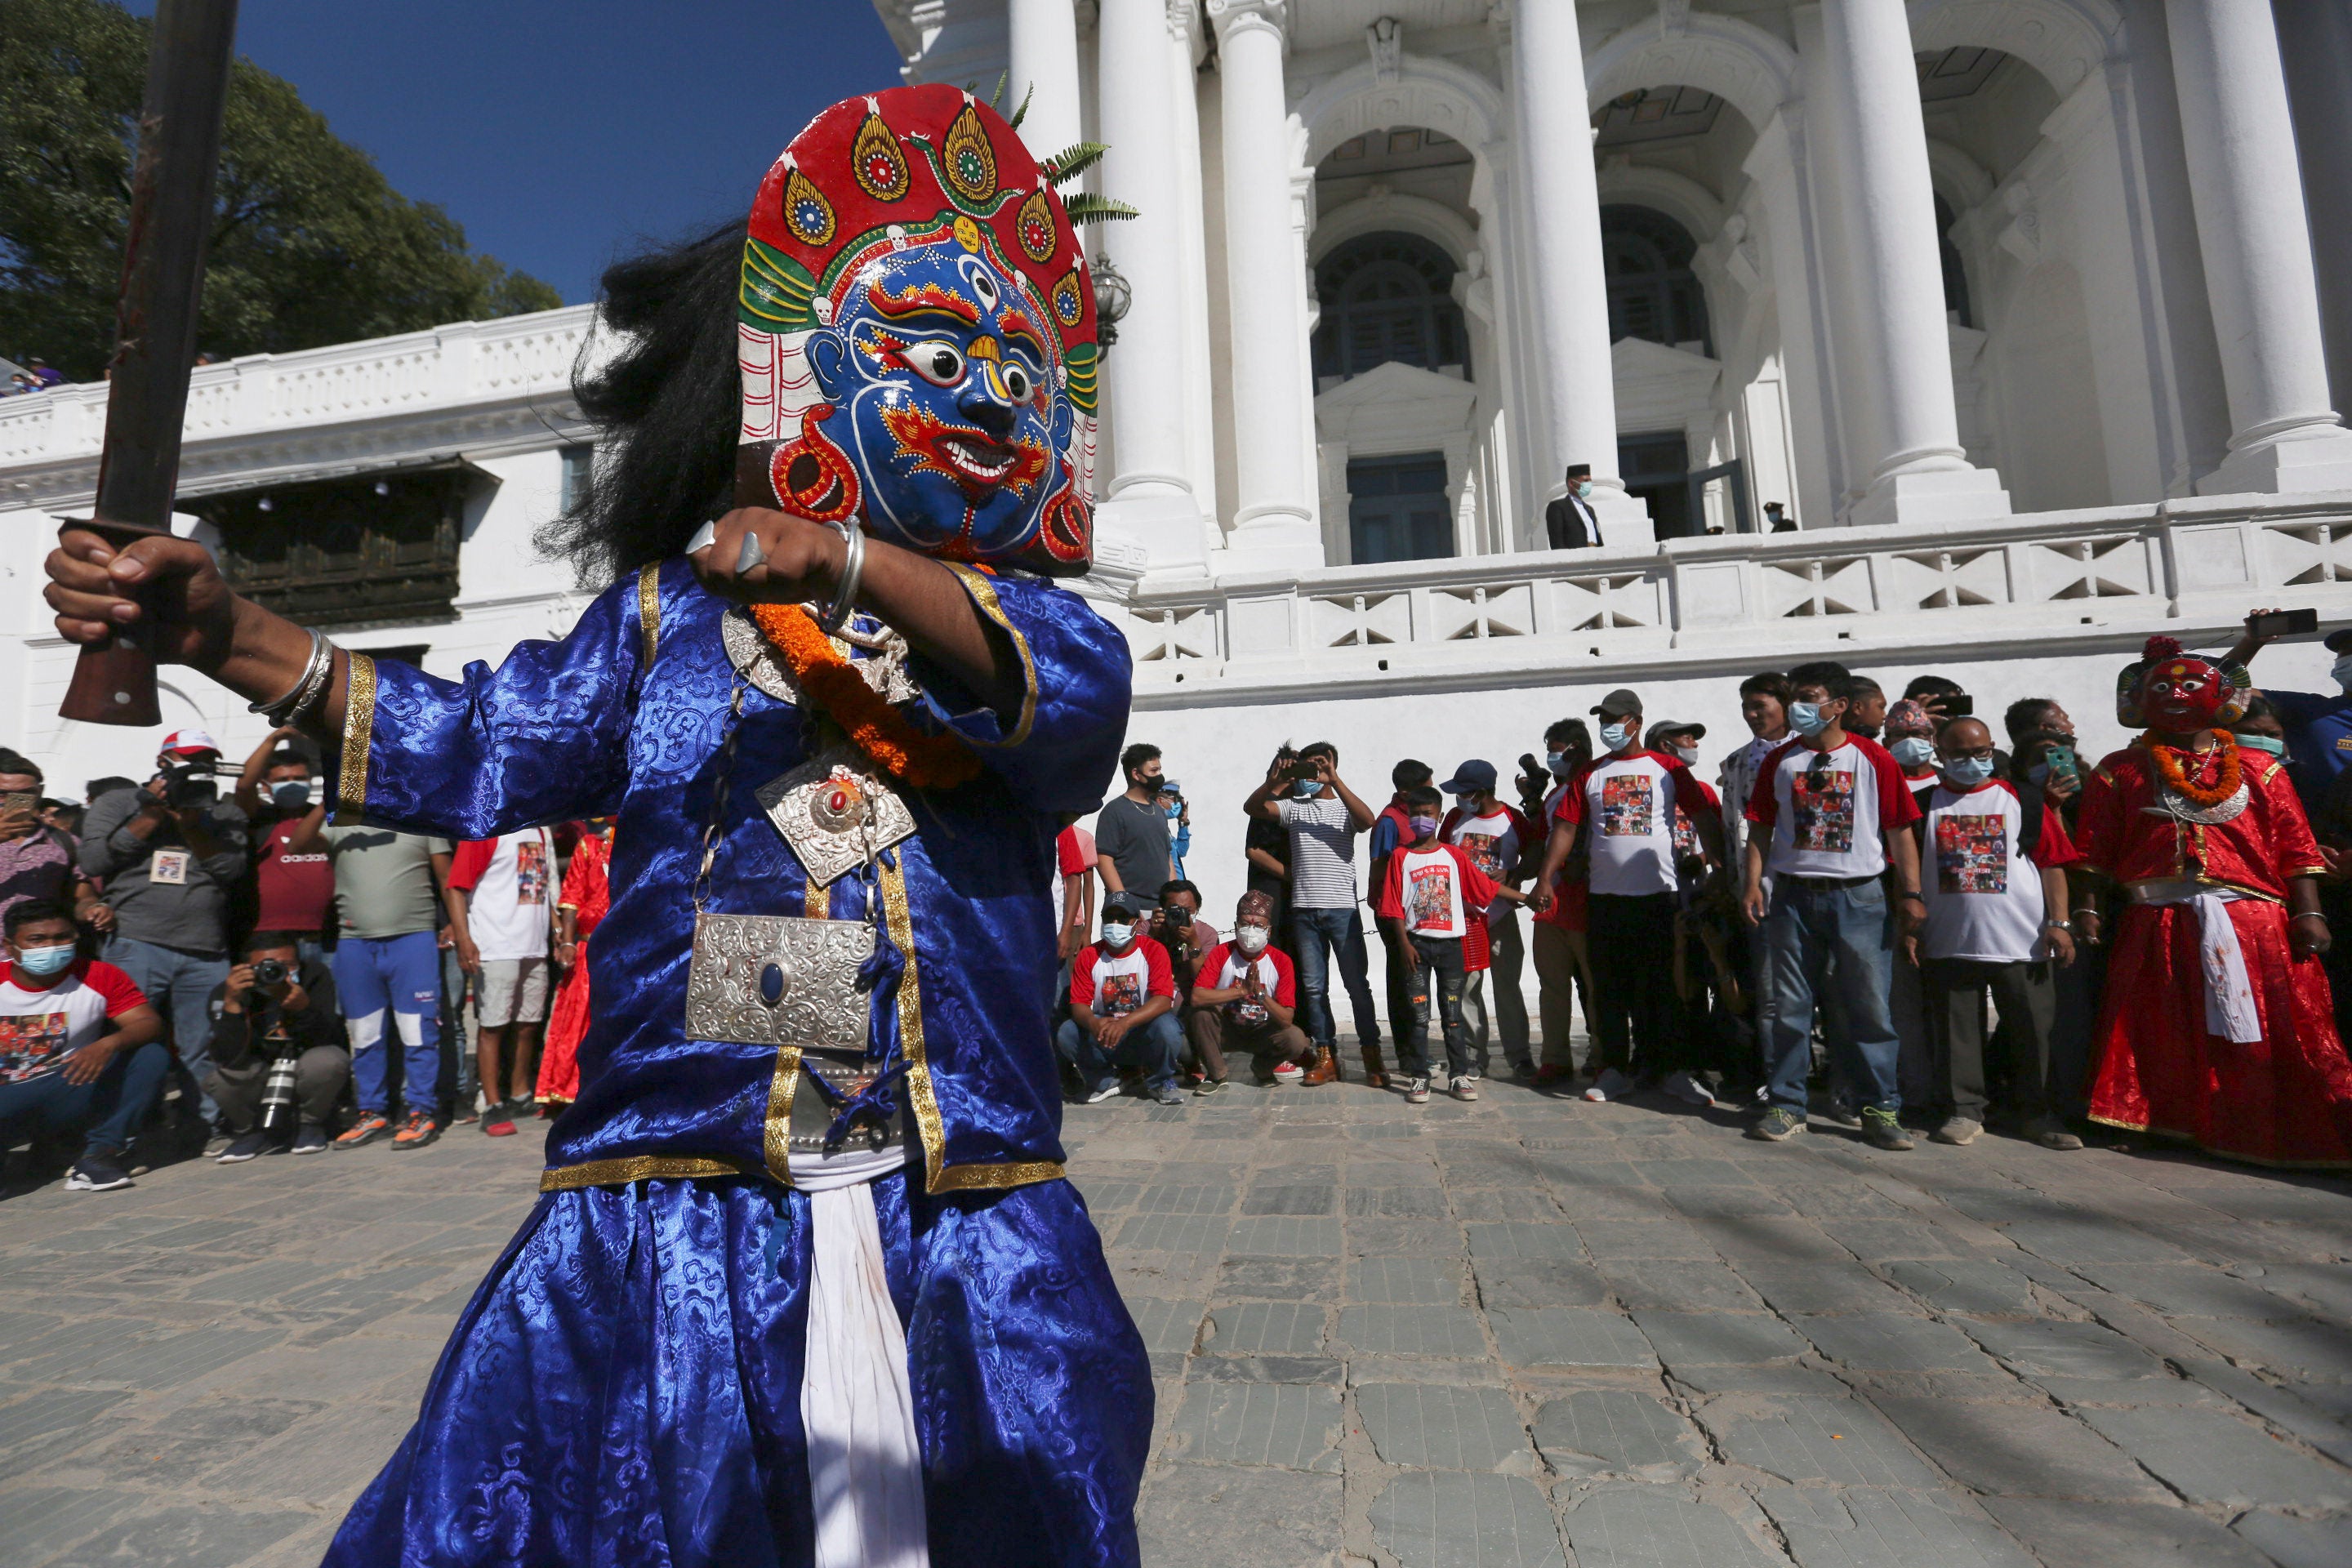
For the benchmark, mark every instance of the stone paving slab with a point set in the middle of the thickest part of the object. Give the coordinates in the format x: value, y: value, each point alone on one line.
x: 1527, y: 1330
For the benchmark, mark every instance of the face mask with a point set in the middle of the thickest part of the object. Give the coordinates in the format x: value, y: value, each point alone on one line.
x: 1912, y: 751
x: 1616, y: 737
x: 1422, y: 826
x: 1583, y: 490
x: 43, y: 961
x: 2270, y: 743
x: 292, y: 795
x: 1805, y: 718
x: 1967, y: 773
x: 1308, y: 789
x: 1689, y: 755
x: 1556, y: 763
x: 1251, y: 940
x: 2038, y: 773
x: 2343, y: 672
x: 1117, y: 933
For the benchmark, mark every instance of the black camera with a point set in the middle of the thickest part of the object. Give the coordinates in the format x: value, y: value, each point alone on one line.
x: 187, y: 785
x: 1176, y: 917
x: 268, y: 974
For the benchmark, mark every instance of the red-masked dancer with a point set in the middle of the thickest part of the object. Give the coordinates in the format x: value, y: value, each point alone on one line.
x: 587, y: 893
x: 2217, y: 1025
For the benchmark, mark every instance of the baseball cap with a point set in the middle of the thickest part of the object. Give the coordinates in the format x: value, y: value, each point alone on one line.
x: 1666, y: 727
x: 1619, y: 703
x: 1476, y: 776
x: 2338, y: 641
x: 187, y: 742
x: 1122, y: 903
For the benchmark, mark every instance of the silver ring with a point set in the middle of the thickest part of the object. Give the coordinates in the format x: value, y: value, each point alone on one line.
x: 751, y: 555
x: 704, y: 538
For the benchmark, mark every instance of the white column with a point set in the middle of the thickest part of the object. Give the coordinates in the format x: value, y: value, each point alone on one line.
x: 1906, y: 458
x: 1192, y: 224
x: 1274, y: 521
x: 1571, y: 294
x: 1149, y: 500
x: 2251, y: 228
x: 1041, y: 39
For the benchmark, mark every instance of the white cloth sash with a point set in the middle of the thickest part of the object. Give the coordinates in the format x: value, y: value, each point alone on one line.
x: 2229, y: 994
x: 865, y: 1467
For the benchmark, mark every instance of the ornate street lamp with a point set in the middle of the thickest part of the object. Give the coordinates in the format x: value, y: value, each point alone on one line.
x: 1113, y: 295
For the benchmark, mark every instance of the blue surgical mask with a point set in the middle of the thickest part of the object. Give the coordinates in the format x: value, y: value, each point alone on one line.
x: 1556, y: 762
x: 1117, y: 933
x: 1422, y: 826
x: 2270, y: 743
x: 1912, y: 751
x: 1967, y: 773
x: 45, y: 961
x: 1308, y: 789
x: 1805, y: 719
x: 1616, y: 737
x: 292, y: 795
x: 1583, y: 489
x: 2038, y: 773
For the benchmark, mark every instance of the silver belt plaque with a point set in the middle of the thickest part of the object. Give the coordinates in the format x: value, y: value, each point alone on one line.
x: 778, y: 980
x: 834, y: 814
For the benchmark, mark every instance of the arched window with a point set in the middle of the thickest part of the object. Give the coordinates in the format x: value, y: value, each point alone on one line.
x: 1388, y: 297
x: 1653, y: 293
x: 1956, y: 277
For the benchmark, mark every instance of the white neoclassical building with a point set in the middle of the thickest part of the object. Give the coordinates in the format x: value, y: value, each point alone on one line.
x: 1977, y: 335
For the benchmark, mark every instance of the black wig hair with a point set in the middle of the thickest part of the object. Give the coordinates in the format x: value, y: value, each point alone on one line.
x: 667, y: 406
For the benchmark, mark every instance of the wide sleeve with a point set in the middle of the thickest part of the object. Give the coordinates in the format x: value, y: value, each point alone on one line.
x: 1058, y: 751
x: 542, y: 738
x: 2295, y: 851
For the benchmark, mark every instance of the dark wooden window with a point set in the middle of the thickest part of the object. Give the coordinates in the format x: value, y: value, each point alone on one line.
x: 1653, y: 293
x: 376, y: 549
x: 1397, y: 510
x: 1388, y: 297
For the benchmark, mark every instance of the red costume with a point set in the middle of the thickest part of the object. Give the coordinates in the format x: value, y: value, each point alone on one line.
x: 2284, y: 1096
x: 587, y: 895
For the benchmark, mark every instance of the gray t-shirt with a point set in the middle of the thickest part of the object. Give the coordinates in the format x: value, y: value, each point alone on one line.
x: 1322, y: 852
x: 384, y: 881
x: 1135, y: 836
x: 161, y: 888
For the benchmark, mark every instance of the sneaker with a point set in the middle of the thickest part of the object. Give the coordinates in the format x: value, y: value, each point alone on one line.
x: 2051, y: 1134
x: 244, y: 1148
x: 498, y: 1123
x: 1778, y: 1124
x: 1611, y: 1085
x: 417, y: 1130
x: 1416, y: 1091
x: 1525, y: 1072
x: 1465, y: 1087
x: 1841, y: 1113
x: 310, y: 1139
x: 1958, y: 1130
x: 1288, y: 1072
x: 1208, y: 1086
x: 370, y: 1126
x: 1101, y: 1092
x: 1552, y: 1072
x: 1883, y: 1130
x: 97, y: 1173
x: 1168, y: 1094
x: 1688, y: 1089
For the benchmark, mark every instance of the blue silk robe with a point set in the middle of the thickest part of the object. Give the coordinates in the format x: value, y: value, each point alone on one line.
x: 623, y: 1387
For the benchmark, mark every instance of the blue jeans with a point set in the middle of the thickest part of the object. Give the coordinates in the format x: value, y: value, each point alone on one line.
x: 1438, y: 976
x: 1843, y: 937
x: 398, y: 977
x: 179, y: 983
x: 108, y: 1110
x: 1323, y: 936
x: 1154, y: 1049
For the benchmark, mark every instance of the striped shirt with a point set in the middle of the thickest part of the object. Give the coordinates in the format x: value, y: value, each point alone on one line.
x: 1322, y: 853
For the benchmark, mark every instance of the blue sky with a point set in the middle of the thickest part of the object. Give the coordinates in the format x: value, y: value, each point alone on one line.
x: 557, y: 133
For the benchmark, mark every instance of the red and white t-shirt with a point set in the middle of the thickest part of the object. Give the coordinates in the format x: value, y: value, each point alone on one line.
x: 40, y: 1027
x: 1435, y: 891
x: 1824, y: 810
x: 1568, y: 896
x: 1984, y: 899
x: 1225, y: 965
x: 1493, y: 840
x: 1113, y: 984
x: 508, y: 881
x: 1073, y: 856
x: 1625, y: 804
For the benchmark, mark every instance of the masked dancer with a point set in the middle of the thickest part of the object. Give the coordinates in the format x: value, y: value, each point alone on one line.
x: 805, y: 1284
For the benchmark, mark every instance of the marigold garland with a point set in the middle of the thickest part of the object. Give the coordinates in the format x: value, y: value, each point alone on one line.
x: 873, y: 726
x: 2176, y: 777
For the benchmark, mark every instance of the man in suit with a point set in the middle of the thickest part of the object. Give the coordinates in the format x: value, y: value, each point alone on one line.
x: 1569, y: 520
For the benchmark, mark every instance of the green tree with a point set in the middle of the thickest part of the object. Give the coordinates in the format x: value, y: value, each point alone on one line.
x: 312, y: 246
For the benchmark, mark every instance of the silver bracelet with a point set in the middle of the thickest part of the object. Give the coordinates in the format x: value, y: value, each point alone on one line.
x: 853, y: 567
x: 298, y: 696
x: 315, y: 688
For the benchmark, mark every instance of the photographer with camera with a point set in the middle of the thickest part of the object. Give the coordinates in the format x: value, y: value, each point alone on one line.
x: 278, y: 1061
x: 1175, y: 924
x: 170, y: 854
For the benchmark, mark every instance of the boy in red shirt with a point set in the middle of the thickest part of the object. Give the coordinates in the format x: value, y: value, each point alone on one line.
x: 80, y: 1046
x: 1123, y: 1008
x: 1434, y: 898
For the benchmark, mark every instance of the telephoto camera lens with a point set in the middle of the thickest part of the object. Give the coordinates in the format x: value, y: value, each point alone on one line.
x: 278, y: 1096
x: 269, y: 972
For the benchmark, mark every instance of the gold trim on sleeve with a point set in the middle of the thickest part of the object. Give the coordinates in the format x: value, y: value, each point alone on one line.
x: 920, y: 1096
x: 650, y: 610
x: 983, y: 596
x: 968, y: 1178
x: 635, y: 1168
x: 776, y: 1137
x: 359, y: 731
